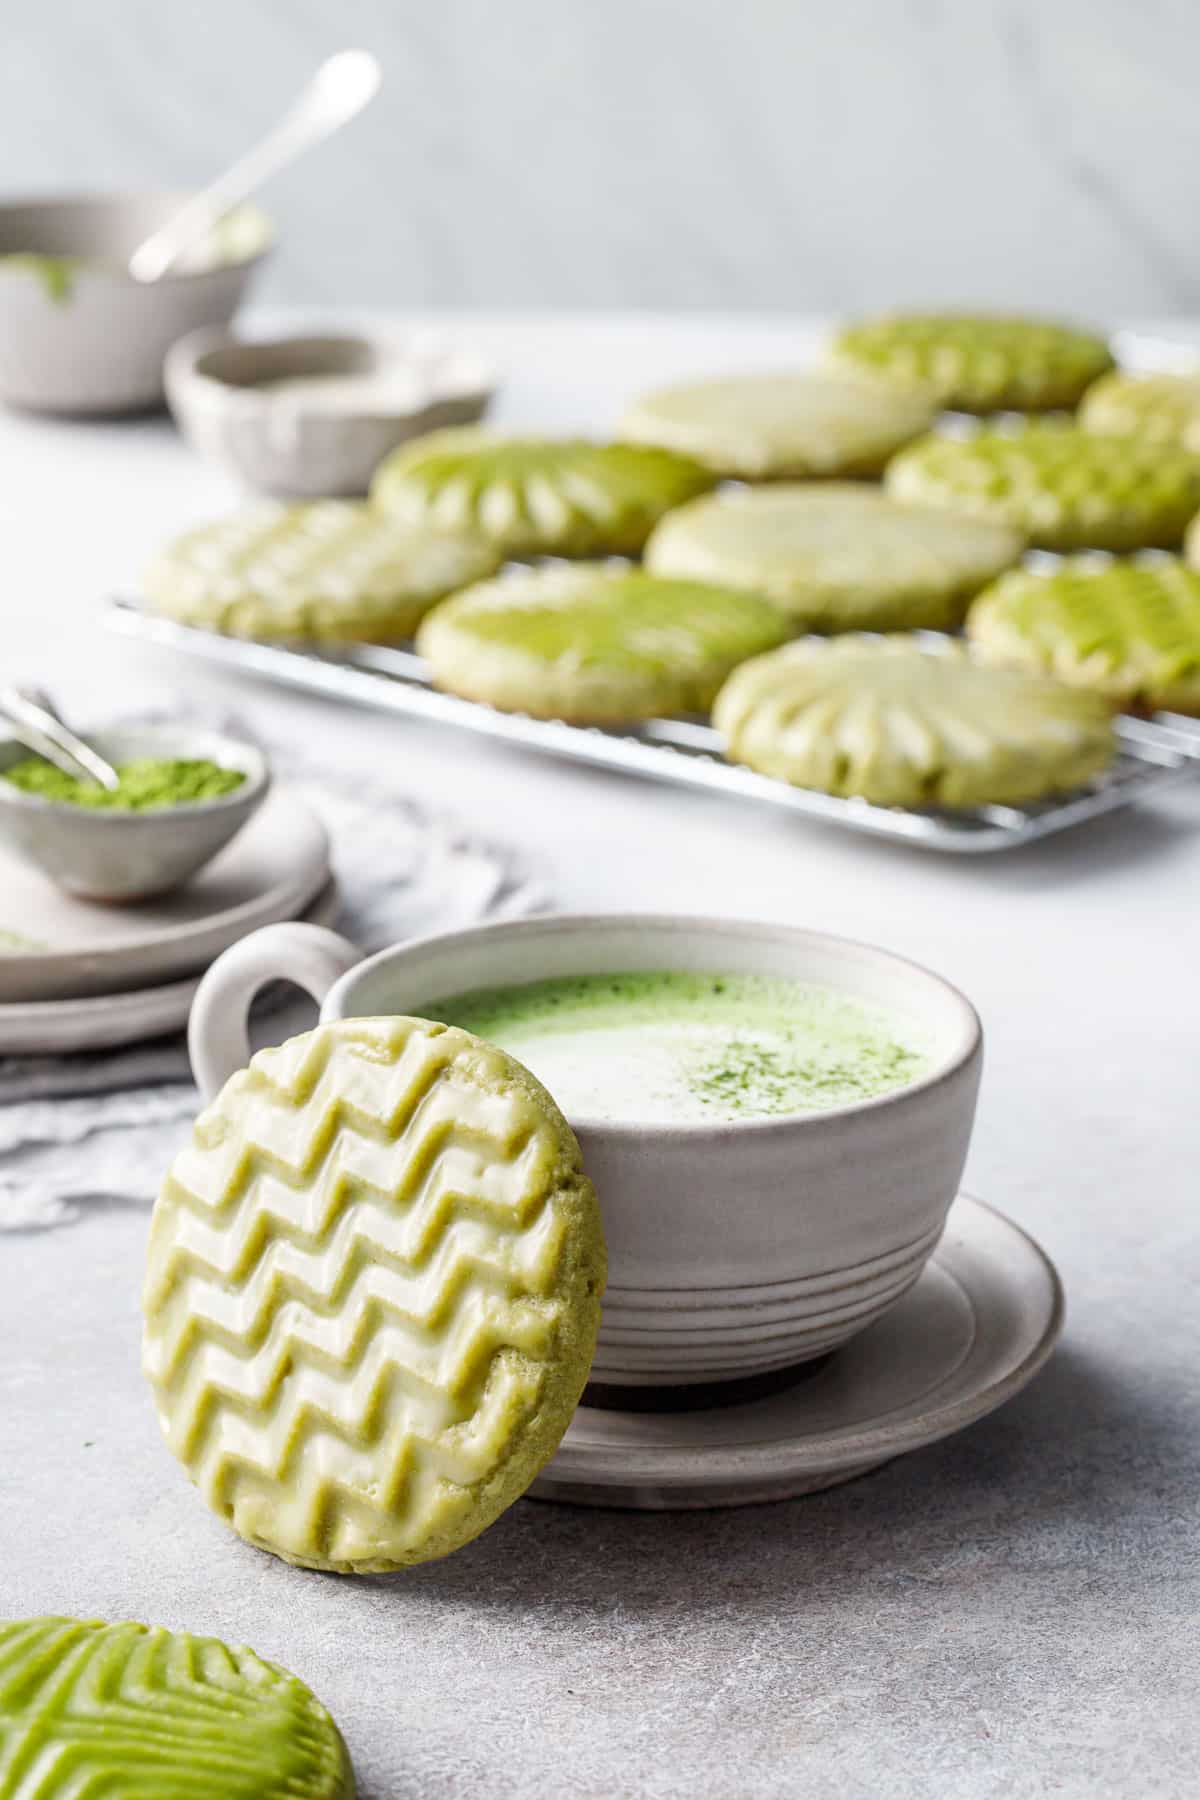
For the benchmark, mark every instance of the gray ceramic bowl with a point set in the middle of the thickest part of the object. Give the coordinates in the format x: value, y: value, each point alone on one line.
x: 122, y: 855
x: 84, y: 337
x: 225, y: 396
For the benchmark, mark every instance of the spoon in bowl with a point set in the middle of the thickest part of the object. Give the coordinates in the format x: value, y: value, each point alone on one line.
x: 35, y: 724
x: 339, y: 90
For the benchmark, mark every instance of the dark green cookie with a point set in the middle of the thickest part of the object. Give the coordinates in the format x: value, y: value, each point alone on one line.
x: 533, y: 496
x: 980, y: 362
x: 139, y: 1713
x: 1063, y: 488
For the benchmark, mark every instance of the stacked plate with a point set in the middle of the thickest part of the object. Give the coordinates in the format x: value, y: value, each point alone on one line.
x: 79, y: 975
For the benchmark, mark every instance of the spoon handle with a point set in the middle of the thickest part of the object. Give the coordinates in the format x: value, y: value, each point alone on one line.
x: 43, y: 731
x: 341, y: 87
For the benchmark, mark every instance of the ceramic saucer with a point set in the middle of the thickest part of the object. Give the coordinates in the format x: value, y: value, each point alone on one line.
x: 271, y: 871
x: 103, y: 1021
x: 978, y: 1325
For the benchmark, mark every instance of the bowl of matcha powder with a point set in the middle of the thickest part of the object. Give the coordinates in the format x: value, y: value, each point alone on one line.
x: 182, y: 794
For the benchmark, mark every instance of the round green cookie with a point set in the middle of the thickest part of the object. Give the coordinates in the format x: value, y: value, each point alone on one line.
x: 1130, y: 630
x: 901, y: 721
x: 595, y: 644
x: 372, y: 1293
x: 534, y: 496
x: 1065, y: 489
x: 979, y: 362
x: 140, y: 1713
x: 836, y: 556
x: 332, y: 569
x: 1163, y: 409
x: 764, y: 427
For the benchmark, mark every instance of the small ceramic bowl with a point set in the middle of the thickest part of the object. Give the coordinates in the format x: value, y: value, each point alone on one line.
x: 736, y: 1250
x: 115, y: 854
x: 347, y: 402
x: 81, y: 336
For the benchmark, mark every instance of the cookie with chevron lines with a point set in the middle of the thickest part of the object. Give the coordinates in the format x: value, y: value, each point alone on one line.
x: 372, y: 1293
x: 88, y: 1709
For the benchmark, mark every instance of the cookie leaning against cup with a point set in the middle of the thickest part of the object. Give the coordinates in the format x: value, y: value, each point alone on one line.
x: 89, y: 1709
x: 595, y: 644
x: 979, y: 362
x: 1129, y: 630
x: 904, y: 721
x: 536, y: 496
x: 372, y: 1293
x: 1163, y: 409
x: 756, y: 427
x: 836, y: 556
x: 1064, y: 488
x: 328, y: 570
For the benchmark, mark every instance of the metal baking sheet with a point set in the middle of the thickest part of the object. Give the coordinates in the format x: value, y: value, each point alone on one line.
x: 680, y: 752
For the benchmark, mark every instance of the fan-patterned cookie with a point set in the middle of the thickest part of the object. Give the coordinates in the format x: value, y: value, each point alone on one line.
x: 536, y: 496
x: 1163, y: 408
x: 1130, y: 630
x: 89, y: 1709
x: 906, y: 721
x: 1064, y: 488
x: 979, y: 362
x: 329, y: 570
x: 372, y: 1293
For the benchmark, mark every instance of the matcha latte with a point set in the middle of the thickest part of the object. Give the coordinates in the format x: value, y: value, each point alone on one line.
x: 698, y: 1049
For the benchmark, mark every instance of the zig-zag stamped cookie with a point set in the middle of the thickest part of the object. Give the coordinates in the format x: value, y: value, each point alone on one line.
x: 372, y: 1293
x: 89, y: 1709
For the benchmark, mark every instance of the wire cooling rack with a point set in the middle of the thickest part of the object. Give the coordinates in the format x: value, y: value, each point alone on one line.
x: 680, y: 752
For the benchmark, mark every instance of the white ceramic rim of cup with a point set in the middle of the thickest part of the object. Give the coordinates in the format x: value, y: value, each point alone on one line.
x: 582, y: 922
x: 190, y: 742
x: 113, y: 274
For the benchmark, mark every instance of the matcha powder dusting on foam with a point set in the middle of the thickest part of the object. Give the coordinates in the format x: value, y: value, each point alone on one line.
x: 145, y: 784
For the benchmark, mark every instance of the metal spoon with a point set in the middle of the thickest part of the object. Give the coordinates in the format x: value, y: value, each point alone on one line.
x: 35, y: 723
x: 341, y: 87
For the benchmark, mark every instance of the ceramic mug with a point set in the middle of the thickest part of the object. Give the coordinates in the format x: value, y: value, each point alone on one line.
x: 737, y: 1249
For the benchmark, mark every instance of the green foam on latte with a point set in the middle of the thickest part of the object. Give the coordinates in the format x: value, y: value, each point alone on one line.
x: 669, y: 1047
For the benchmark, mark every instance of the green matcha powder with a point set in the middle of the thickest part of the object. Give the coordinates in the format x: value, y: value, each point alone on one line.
x: 145, y: 784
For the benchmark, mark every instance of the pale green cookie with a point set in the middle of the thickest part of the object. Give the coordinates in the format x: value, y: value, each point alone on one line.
x: 764, y: 427
x: 979, y: 362
x: 903, y: 721
x: 372, y: 1293
x: 332, y: 569
x: 138, y: 1713
x: 1130, y: 630
x: 536, y: 496
x: 1163, y: 409
x: 1065, y: 489
x: 836, y: 556
x: 595, y: 644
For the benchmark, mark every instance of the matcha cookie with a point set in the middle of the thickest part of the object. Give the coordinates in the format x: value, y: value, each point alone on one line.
x: 89, y: 1709
x: 836, y: 556
x: 902, y: 721
x: 333, y: 569
x: 979, y: 362
x: 764, y: 427
x: 1130, y: 630
x: 595, y: 644
x: 1163, y: 409
x: 534, y: 496
x: 372, y: 1293
x: 1065, y: 489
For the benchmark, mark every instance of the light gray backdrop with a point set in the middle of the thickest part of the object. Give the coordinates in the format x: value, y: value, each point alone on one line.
x: 767, y: 154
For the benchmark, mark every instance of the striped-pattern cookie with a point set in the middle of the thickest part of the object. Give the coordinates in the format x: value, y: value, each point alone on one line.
x: 1163, y: 409
x: 979, y: 362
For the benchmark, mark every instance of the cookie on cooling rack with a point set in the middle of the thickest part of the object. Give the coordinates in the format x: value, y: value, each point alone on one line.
x: 372, y: 1293
x: 535, y: 496
x: 906, y: 721
x: 89, y: 1709
x: 765, y: 427
x: 979, y: 362
x: 595, y: 644
x: 327, y: 570
x: 1163, y: 409
x: 1062, y: 488
x: 1128, y: 630
x: 836, y: 556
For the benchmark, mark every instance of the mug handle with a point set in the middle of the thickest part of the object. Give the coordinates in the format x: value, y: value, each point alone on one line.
x: 218, y: 1035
